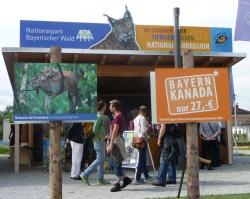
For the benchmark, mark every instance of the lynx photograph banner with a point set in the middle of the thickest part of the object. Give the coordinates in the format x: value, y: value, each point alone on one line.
x: 54, y: 92
x: 122, y: 34
x: 192, y: 95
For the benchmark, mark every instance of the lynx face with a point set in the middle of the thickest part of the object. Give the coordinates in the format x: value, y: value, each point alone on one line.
x: 123, y: 28
x: 121, y: 36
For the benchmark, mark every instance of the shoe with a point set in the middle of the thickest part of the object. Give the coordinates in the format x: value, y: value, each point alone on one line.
x: 138, y: 182
x: 85, y: 179
x: 126, y: 182
x: 76, y: 178
x: 159, y: 184
x: 116, y: 187
x: 170, y: 182
x: 149, y: 178
x: 103, y: 182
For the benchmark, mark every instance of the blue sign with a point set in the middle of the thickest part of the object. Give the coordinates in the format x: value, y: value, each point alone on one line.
x: 54, y: 117
x: 44, y: 34
x: 221, y: 40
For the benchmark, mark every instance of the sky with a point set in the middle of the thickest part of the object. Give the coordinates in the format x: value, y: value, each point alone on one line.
x: 207, y: 13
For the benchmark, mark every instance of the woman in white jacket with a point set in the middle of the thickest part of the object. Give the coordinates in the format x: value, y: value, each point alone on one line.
x: 140, y: 130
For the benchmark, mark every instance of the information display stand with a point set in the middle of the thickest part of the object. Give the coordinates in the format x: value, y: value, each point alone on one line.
x: 132, y: 153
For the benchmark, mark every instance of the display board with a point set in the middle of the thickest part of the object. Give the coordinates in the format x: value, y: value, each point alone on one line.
x: 122, y: 34
x: 132, y: 153
x: 192, y: 95
x: 54, y: 92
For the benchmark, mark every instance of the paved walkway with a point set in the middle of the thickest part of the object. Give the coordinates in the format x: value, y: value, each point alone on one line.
x: 33, y: 183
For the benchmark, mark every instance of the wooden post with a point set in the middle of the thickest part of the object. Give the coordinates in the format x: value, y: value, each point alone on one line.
x: 55, y: 128
x: 17, y: 148
x: 193, y: 191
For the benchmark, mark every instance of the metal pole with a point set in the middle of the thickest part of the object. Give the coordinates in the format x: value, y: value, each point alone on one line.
x: 235, y: 115
x: 178, y: 64
x: 177, y: 44
x: 235, y: 124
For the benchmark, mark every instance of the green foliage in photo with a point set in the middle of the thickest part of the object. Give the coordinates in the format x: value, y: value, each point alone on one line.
x: 40, y: 88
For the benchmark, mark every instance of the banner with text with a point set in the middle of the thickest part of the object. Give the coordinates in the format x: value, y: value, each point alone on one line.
x: 198, y: 39
x: 192, y: 95
x: 44, y: 34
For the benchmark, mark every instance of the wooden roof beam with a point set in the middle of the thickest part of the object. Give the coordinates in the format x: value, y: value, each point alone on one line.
x: 16, y: 57
x: 75, y: 58
x: 46, y: 57
x: 123, y: 71
x: 157, y: 60
x: 207, y: 61
x: 130, y: 60
x: 125, y: 94
x: 231, y: 61
x: 103, y: 59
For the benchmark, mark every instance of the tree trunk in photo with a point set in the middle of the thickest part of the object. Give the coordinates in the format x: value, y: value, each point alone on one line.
x: 23, y: 84
x: 193, y: 191
x: 55, y: 128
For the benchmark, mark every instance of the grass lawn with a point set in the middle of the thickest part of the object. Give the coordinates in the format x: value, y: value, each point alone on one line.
x: 243, y: 147
x: 243, y: 154
x: 235, y: 196
x: 4, y: 149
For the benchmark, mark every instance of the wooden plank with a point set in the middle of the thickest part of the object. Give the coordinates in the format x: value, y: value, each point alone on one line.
x: 124, y: 71
x: 30, y: 135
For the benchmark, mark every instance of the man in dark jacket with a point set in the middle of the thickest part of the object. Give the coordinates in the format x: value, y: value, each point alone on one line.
x: 75, y: 135
x: 167, y: 170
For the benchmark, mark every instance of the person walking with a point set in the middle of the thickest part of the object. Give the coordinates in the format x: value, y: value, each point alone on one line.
x: 116, y: 147
x: 75, y: 136
x: 140, y: 130
x: 99, y: 146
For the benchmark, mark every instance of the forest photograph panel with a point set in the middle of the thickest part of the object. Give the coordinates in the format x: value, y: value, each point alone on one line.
x: 44, y: 88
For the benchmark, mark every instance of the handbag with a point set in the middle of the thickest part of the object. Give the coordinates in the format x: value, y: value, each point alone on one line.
x: 138, y: 142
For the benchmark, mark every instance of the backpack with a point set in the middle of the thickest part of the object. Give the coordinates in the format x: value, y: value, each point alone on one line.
x: 88, y: 128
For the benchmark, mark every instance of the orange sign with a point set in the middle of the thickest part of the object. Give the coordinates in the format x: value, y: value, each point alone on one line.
x: 162, y: 38
x: 192, y: 95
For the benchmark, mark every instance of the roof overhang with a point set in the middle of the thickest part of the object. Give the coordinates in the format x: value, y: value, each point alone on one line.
x: 123, y: 58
